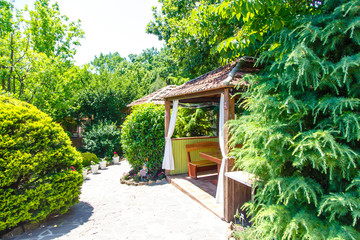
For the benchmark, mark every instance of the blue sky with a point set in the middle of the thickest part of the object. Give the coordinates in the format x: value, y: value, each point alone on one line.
x: 109, y: 25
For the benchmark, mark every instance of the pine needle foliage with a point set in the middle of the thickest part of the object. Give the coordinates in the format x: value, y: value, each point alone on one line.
x: 301, y: 129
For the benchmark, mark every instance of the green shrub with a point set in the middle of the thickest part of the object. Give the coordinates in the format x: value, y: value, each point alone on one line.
x: 195, y: 122
x: 40, y: 172
x: 88, y: 158
x: 142, y: 137
x: 103, y: 139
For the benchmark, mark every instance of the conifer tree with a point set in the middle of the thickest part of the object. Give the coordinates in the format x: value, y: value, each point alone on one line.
x: 301, y: 131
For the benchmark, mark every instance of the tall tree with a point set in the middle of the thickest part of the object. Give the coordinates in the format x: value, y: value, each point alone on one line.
x: 108, y: 62
x: 192, y: 51
x: 301, y: 133
x: 36, y: 56
x: 52, y: 33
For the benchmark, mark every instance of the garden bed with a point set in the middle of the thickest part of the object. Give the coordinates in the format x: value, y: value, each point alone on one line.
x: 141, y: 178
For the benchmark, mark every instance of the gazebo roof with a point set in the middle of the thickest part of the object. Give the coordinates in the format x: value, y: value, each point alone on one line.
x: 155, y: 97
x: 223, y: 77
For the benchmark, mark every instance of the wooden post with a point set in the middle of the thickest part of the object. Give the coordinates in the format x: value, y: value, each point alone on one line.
x: 167, y: 123
x: 229, y: 113
x: 227, y: 116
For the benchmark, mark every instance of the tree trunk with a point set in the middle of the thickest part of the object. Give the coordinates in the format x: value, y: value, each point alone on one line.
x: 12, y: 63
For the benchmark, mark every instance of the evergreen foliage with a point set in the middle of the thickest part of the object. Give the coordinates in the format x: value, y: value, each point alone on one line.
x: 89, y: 157
x: 301, y: 131
x: 40, y: 172
x: 102, y: 139
x: 142, y: 137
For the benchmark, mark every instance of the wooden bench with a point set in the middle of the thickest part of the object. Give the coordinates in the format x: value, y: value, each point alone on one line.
x: 200, y: 165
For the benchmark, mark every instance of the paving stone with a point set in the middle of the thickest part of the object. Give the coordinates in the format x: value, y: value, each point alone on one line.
x: 110, y: 210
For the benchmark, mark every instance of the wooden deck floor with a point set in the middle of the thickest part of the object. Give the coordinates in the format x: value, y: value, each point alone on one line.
x: 202, y: 190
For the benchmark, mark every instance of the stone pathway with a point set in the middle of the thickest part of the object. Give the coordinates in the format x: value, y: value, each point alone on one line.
x: 110, y: 210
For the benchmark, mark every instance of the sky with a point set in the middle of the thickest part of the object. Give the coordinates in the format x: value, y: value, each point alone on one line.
x: 109, y: 25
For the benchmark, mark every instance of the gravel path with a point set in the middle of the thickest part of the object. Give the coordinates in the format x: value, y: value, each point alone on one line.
x: 110, y: 210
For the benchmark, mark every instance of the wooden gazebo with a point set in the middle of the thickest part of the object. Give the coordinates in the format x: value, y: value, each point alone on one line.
x: 208, y: 88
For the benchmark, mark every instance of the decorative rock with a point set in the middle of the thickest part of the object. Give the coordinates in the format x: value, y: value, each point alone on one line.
x: 15, y: 232
x: 31, y: 226
x: 131, y: 182
x: 231, y: 225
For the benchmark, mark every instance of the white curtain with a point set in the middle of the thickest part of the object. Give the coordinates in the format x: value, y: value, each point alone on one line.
x: 168, y: 161
x: 220, y: 185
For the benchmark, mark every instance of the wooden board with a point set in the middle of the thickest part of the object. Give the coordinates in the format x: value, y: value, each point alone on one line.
x: 179, y: 153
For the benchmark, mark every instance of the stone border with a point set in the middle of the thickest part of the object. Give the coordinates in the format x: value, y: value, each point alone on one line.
x: 233, y: 228
x: 27, y: 227
x: 131, y: 182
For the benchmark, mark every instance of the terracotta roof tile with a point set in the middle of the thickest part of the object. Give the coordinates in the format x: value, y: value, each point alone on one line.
x: 217, y: 78
x: 155, y: 97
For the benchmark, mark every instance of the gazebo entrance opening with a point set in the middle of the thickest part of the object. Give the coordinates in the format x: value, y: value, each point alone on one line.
x: 226, y: 104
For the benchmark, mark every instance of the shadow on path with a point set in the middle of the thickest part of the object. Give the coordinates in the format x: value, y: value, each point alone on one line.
x: 60, y: 225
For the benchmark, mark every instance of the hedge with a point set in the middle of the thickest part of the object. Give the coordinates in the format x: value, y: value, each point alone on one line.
x: 40, y: 172
x: 142, y: 137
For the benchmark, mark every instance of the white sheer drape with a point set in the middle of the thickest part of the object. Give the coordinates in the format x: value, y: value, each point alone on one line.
x: 220, y: 185
x: 168, y: 161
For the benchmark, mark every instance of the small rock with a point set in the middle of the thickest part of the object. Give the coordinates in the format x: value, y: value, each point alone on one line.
x: 31, y: 226
x: 15, y: 232
x: 151, y: 182
x: 158, y: 181
x: 231, y: 226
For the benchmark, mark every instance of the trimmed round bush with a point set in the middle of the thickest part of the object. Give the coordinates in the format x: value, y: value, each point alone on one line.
x: 103, y: 139
x: 88, y: 158
x: 40, y: 172
x: 142, y: 137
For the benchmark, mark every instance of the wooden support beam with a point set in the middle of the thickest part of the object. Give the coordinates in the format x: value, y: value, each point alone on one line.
x: 230, y: 187
x: 206, y: 93
x: 200, y: 100
x: 226, y: 116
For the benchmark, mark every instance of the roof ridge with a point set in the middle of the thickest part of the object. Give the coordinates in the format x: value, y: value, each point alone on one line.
x: 232, y: 73
x: 160, y: 92
x: 208, y: 73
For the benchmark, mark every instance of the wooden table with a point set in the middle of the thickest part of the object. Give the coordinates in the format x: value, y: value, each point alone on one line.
x: 214, y: 156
